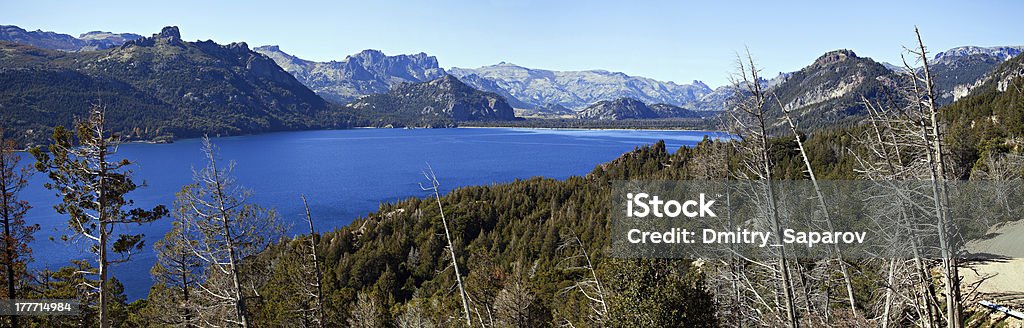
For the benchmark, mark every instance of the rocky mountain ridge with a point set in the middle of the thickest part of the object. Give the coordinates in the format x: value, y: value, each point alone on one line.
x: 831, y: 89
x: 370, y: 72
x: 959, y: 70
x: 95, y: 40
x: 539, y: 89
x: 157, y: 87
x: 367, y: 72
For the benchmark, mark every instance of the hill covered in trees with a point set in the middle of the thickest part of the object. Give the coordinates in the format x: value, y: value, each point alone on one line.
x: 442, y: 102
x: 629, y: 108
x: 989, y: 123
x: 158, y: 87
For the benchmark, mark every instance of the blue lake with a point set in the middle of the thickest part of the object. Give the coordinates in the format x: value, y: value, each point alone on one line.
x: 344, y: 174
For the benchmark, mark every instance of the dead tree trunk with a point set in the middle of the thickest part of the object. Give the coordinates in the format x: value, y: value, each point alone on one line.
x: 755, y: 107
x: 821, y: 203
x: 318, y: 276
x: 434, y: 187
x: 933, y: 133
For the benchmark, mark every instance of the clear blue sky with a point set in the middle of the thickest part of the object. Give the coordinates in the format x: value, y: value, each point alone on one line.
x: 676, y: 41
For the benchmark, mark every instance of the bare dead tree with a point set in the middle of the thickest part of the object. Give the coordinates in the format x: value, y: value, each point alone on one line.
x: 843, y: 267
x: 577, y: 258
x: 366, y: 312
x: 435, y: 188
x: 225, y: 229
x: 925, y: 99
x: 177, y: 271
x: 751, y: 122
x: 711, y: 163
x: 897, y: 151
x: 907, y: 144
x: 317, y: 293
x: 513, y: 306
x: 413, y: 316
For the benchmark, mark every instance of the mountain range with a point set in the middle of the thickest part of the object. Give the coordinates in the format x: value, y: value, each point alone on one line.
x: 365, y: 73
x: 540, y: 89
x: 958, y: 70
x: 95, y: 40
x: 370, y: 72
x: 162, y: 87
x: 157, y: 87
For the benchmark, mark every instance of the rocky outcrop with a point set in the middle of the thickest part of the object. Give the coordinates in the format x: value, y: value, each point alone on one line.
x: 830, y: 90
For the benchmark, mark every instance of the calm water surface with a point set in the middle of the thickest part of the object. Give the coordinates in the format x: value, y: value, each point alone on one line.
x: 343, y: 173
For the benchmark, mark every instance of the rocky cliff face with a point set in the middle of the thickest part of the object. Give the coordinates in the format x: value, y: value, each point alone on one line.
x: 364, y: 73
x: 443, y: 101
x: 539, y: 89
x: 96, y: 40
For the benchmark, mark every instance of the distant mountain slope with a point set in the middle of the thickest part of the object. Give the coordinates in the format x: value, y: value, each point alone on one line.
x: 441, y: 102
x: 990, y: 120
x: 618, y: 109
x: 575, y: 89
x: 958, y: 70
x: 829, y: 91
x: 158, y: 86
x: 629, y: 108
x: 96, y: 40
x: 367, y: 72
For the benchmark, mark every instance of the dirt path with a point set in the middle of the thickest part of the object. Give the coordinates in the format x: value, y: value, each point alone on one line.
x: 1006, y: 273
x: 999, y: 280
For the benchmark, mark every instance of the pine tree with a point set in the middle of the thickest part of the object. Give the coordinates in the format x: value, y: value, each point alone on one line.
x: 92, y: 186
x: 176, y: 273
x: 16, y: 233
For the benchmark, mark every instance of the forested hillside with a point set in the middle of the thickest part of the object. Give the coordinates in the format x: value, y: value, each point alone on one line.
x: 989, y: 123
x: 516, y: 246
x: 158, y: 87
x: 442, y: 102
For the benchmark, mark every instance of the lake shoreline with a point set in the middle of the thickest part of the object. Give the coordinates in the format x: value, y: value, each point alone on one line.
x: 587, y: 129
x: 464, y: 125
x: 356, y: 128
